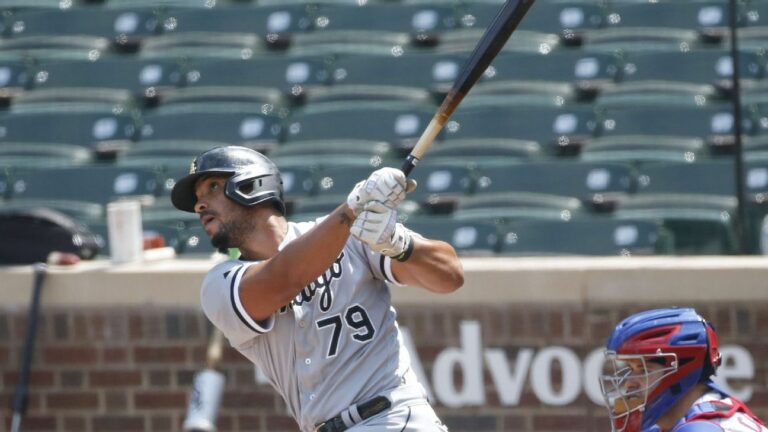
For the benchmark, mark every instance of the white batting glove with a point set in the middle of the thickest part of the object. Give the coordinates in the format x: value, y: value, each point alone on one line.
x: 377, y: 227
x: 386, y: 185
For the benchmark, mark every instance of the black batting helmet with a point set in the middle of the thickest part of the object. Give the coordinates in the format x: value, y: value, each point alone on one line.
x: 253, y: 179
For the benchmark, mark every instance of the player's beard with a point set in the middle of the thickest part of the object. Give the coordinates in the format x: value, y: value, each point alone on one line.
x: 229, y: 232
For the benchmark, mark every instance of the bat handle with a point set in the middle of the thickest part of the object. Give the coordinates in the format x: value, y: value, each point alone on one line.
x: 426, y: 140
x: 213, y: 355
x: 409, y: 164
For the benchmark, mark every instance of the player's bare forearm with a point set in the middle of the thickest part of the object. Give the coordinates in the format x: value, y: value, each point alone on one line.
x: 274, y: 283
x: 433, y: 265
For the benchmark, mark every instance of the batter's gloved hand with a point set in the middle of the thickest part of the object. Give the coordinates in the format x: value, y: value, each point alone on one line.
x: 377, y: 226
x: 386, y: 185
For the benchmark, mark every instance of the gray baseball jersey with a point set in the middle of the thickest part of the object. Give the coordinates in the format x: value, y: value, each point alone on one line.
x: 336, y: 344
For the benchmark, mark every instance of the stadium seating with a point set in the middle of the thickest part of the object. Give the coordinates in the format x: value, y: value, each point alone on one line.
x: 469, y: 238
x: 441, y: 184
x: 378, y: 24
x: 596, y: 184
x: 125, y: 28
x: 395, y: 122
x: 480, y: 150
x: 291, y: 76
x: 567, y: 19
x: 98, y: 184
x: 106, y: 79
x: 14, y: 77
x: 100, y: 132
x: 696, y: 201
x: 557, y: 129
x: 602, y: 128
x: 275, y: 24
x: 638, y: 116
x: 637, y: 26
x: 14, y: 155
x: 409, y: 76
x: 595, y: 236
x: 533, y: 72
x: 241, y: 124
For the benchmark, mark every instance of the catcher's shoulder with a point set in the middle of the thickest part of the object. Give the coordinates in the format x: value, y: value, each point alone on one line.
x: 699, y: 426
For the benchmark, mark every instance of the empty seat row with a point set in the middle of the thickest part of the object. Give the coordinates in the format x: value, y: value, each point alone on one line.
x: 287, y: 81
x: 482, y: 127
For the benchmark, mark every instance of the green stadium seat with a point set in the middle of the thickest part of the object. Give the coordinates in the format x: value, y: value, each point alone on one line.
x: 5, y: 189
x: 271, y: 98
x: 463, y: 42
x: 468, y: 238
x: 713, y: 123
x: 56, y: 47
x: 644, y: 148
x: 593, y: 236
x: 166, y: 4
x: 13, y: 5
x: 328, y: 151
x: 161, y: 154
x: 696, y: 201
x: 339, y: 179
x: 587, y: 73
x: 102, y: 133
x: 411, y: 76
x: 143, y: 79
x: 66, y: 100
x: 379, y: 23
x: 441, y: 184
x: 191, y: 46
x: 124, y: 28
x: 642, y: 26
x: 503, y: 207
x: 299, y: 182
x: 95, y: 183
x: 237, y: 124
x: 598, y: 184
x: 82, y: 211
x: 704, y: 67
x: 274, y: 23
x: 557, y: 129
x: 42, y: 154
x: 15, y: 77
x: 399, y: 124
x: 474, y: 151
x: 567, y: 19
x: 293, y: 76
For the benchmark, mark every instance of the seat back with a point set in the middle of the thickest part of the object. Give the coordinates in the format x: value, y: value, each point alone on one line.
x: 602, y: 236
x: 98, y: 184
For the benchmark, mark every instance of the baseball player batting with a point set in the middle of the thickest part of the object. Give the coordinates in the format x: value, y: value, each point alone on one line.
x: 308, y: 302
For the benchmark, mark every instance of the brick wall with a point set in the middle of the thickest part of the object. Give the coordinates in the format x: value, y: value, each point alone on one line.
x: 129, y: 369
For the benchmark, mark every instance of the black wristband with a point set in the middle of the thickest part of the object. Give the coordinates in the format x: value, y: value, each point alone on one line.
x: 407, y: 252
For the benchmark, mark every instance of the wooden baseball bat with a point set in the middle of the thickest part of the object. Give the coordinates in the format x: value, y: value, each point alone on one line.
x: 494, y: 38
x: 207, y: 390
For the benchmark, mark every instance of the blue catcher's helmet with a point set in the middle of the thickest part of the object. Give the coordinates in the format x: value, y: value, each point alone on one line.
x: 653, y: 358
x: 253, y: 178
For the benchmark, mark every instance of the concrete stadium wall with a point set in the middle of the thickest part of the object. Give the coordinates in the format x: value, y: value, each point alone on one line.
x: 513, y: 350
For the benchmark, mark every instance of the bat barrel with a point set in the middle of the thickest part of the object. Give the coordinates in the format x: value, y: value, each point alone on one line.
x: 494, y: 38
x: 204, y: 401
